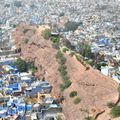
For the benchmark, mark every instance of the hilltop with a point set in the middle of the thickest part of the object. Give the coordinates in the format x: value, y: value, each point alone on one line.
x: 94, y: 89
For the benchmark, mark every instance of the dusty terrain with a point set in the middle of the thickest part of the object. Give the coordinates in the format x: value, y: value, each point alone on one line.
x: 94, y: 89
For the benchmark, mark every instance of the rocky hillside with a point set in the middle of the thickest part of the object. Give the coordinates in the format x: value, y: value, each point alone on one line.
x: 93, y: 89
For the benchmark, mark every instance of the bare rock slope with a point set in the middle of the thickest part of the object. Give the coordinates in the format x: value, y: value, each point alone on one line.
x: 94, y: 89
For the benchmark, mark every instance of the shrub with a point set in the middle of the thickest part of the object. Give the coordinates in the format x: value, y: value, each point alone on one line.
x: 65, y: 85
x: 62, y: 98
x: 55, y: 40
x: 78, y: 58
x: 56, y: 46
x: 73, y: 94
x: 62, y: 87
x: 77, y: 100
x: 62, y: 71
x: 46, y: 34
x: 89, y: 118
x: 72, y: 54
x: 65, y: 49
x: 62, y: 67
x: 65, y: 77
x: 32, y: 67
x: 62, y: 60
x: 110, y: 105
x: 90, y: 62
x: 98, y: 66
x: 59, y: 55
x: 115, y: 111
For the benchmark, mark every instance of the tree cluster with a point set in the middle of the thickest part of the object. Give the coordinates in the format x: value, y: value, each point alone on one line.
x: 24, y: 66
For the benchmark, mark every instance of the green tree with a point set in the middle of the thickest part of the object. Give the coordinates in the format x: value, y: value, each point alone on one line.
x: 21, y: 65
x: 85, y: 50
x: 24, y: 66
x: 98, y: 66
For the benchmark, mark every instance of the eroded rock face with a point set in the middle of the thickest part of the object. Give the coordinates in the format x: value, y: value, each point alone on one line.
x: 94, y: 89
